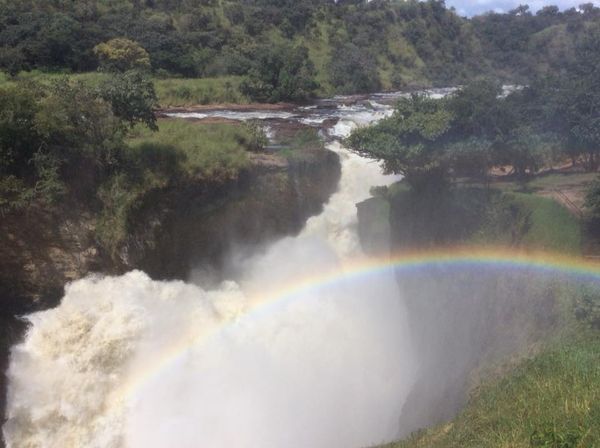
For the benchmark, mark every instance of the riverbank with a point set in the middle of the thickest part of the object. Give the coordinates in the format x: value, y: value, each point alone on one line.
x: 195, y: 94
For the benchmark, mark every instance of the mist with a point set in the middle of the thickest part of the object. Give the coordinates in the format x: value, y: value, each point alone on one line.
x: 128, y: 361
x: 272, y: 357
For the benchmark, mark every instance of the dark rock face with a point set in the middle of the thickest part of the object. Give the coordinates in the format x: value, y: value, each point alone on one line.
x: 173, y: 231
x: 199, y: 227
x: 374, y: 228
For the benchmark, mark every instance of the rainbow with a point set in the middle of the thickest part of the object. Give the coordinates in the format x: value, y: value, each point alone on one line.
x: 417, y: 261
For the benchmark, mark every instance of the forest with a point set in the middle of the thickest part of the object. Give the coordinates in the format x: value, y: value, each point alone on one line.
x: 348, y: 46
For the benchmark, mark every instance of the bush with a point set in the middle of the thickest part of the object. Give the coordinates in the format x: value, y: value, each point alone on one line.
x: 592, y: 200
x: 587, y: 306
x: 121, y: 55
x: 353, y: 70
x: 280, y: 73
x: 132, y: 97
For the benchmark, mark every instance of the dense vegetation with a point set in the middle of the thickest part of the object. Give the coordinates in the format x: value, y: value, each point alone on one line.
x: 323, y: 46
x: 555, y: 117
x: 101, y: 148
x: 550, y: 400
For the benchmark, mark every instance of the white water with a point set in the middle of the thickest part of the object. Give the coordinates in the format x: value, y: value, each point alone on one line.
x: 130, y: 362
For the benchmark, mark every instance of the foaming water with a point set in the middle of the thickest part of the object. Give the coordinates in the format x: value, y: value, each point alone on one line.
x: 131, y: 362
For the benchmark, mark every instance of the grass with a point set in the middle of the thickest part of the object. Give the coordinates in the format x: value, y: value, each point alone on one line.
x: 478, y: 216
x: 171, y: 92
x: 548, y: 182
x: 532, y: 222
x: 179, y: 152
x: 175, y: 92
x: 549, y: 401
x: 552, y: 228
x: 208, y: 151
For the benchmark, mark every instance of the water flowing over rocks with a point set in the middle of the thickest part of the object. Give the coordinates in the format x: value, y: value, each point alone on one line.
x: 193, y: 362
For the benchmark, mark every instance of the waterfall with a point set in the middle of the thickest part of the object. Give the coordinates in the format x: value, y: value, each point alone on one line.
x: 277, y: 358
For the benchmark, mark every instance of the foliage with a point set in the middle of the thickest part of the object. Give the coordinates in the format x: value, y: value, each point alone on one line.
x: 255, y: 139
x: 17, y: 119
x: 280, y: 73
x: 427, y: 139
x: 412, y: 142
x: 592, y: 200
x: 353, y: 70
x: 186, y: 92
x: 121, y: 55
x: 353, y: 45
x: 578, y: 99
x: 64, y: 137
x: 587, y: 306
x: 215, y: 152
x: 74, y: 124
x: 132, y: 97
x: 550, y: 400
x: 467, y: 133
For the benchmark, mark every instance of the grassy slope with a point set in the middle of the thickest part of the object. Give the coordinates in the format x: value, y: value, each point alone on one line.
x: 179, y: 151
x: 171, y: 92
x: 214, y: 151
x: 553, y: 228
x: 549, y: 226
x: 186, y: 92
x: 551, y: 400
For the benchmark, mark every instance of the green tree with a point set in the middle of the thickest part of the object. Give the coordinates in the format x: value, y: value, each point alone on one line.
x: 120, y: 55
x: 465, y: 134
x: 132, y: 97
x: 280, y: 73
x: 78, y: 127
x: 353, y: 70
x: 18, y: 139
x: 53, y: 138
x: 412, y: 142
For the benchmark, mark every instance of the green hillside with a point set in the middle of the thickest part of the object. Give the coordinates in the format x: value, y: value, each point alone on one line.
x: 351, y: 45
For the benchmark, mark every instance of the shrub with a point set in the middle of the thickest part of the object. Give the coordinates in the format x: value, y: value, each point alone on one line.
x: 587, y: 307
x: 120, y: 55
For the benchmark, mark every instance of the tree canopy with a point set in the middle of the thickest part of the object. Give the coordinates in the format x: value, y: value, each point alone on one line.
x: 121, y: 55
x: 54, y: 136
x: 430, y: 140
x: 354, y: 46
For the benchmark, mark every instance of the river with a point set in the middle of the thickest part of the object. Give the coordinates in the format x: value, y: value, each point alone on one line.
x: 299, y: 351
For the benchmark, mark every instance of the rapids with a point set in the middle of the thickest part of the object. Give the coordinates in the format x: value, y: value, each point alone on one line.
x: 131, y: 362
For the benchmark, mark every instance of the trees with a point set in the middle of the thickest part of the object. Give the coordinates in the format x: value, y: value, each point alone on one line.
x: 66, y: 136
x: 132, y: 97
x: 413, y: 142
x: 574, y: 101
x: 121, y: 55
x: 429, y: 140
x: 17, y: 120
x: 280, y: 73
x: 353, y: 69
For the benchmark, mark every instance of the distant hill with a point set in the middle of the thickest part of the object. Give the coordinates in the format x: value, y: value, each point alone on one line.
x: 353, y: 45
